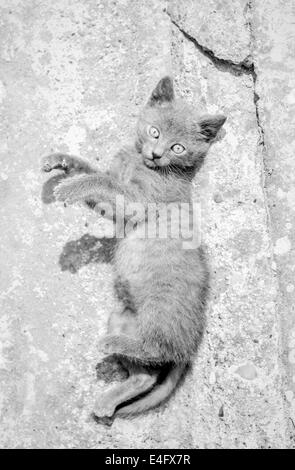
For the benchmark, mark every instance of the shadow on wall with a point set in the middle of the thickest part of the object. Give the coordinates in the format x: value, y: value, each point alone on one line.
x: 85, y: 250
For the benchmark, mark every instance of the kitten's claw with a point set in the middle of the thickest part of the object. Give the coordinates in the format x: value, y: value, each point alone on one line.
x: 46, y: 167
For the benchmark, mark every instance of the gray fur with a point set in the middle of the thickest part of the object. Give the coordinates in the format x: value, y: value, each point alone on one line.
x: 161, y: 285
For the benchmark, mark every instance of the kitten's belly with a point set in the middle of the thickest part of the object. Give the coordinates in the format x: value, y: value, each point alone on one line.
x: 141, y: 262
x: 132, y: 257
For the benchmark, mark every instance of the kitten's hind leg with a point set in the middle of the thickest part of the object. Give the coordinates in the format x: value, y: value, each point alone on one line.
x: 140, y: 381
x: 68, y: 163
x: 125, y: 346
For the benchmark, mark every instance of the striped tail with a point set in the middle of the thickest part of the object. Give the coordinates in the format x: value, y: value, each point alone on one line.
x: 157, y: 394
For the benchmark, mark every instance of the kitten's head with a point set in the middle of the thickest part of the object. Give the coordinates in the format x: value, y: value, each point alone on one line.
x: 172, y: 133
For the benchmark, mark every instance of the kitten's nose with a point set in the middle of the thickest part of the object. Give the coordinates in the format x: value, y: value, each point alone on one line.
x: 156, y: 155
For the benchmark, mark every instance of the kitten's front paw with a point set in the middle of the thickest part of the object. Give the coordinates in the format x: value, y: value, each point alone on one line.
x: 65, y: 192
x: 55, y: 161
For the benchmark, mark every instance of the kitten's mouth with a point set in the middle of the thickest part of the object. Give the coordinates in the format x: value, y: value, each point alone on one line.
x: 159, y: 163
x: 149, y: 163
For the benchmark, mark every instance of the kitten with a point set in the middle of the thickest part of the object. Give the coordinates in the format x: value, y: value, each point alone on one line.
x: 162, y: 286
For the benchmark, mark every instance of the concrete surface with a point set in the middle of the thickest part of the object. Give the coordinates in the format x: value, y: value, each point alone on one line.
x: 73, y: 76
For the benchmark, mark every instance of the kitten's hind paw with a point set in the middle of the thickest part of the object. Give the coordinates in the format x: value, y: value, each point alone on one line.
x: 104, y: 408
x: 106, y: 421
x: 55, y: 161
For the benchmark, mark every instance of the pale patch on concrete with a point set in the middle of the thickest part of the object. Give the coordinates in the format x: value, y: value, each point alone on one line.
x: 289, y: 395
x: 3, y: 92
x: 2, y: 396
x: 247, y: 371
x: 30, y: 393
x: 97, y: 116
x: 74, y: 137
x: 290, y: 98
x: 11, y: 3
x: 291, y: 198
x: 281, y: 194
x: 17, y: 281
x: 5, y: 341
x: 291, y: 356
x: 282, y: 246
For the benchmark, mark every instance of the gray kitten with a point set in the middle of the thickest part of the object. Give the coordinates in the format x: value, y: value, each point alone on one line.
x: 162, y: 286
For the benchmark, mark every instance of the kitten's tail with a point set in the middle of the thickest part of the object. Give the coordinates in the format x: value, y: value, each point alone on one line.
x: 157, y: 394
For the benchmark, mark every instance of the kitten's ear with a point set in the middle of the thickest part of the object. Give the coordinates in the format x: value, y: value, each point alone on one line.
x: 163, y: 92
x: 210, y: 125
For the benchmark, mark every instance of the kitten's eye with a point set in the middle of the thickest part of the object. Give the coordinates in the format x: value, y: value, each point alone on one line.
x: 178, y: 148
x: 154, y: 132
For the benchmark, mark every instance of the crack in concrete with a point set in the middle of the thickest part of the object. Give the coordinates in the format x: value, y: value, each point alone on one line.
x: 246, y: 66
x: 225, y: 65
x: 256, y: 96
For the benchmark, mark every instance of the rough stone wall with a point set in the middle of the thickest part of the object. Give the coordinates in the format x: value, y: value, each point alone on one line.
x: 73, y: 76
